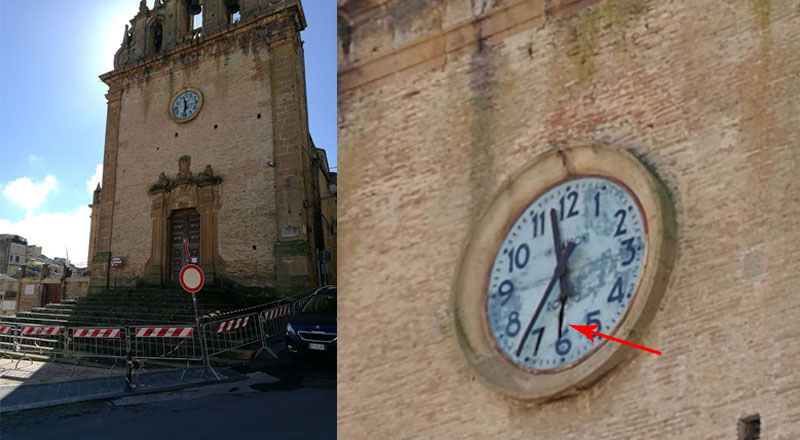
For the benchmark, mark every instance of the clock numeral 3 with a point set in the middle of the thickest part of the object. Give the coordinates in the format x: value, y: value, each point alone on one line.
x: 628, y: 243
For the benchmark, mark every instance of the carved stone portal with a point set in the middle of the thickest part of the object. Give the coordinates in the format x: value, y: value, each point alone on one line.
x: 185, y: 192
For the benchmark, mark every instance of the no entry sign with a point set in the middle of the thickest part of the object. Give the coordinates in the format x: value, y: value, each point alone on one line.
x: 192, y: 278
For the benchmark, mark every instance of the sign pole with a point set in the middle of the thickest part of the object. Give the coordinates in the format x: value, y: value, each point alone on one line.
x: 194, y: 289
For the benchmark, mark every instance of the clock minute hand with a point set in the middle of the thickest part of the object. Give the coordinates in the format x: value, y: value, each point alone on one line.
x: 559, y: 270
x: 562, y: 280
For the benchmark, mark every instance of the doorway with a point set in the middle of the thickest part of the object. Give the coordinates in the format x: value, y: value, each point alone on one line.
x: 183, y: 225
x: 52, y: 293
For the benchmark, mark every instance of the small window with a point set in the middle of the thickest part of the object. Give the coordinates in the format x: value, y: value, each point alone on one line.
x: 17, y: 259
x: 157, y: 36
x: 750, y: 428
x: 197, y: 21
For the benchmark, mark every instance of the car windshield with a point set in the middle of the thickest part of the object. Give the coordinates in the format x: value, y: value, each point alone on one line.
x: 321, y: 305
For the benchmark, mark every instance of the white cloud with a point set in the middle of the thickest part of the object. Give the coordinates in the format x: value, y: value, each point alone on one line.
x: 55, y: 232
x: 32, y: 158
x: 27, y: 194
x: 97, y: 178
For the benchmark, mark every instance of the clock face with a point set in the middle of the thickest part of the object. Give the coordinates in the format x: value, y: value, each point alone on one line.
x: 602, y: 245
x: 186, y: 105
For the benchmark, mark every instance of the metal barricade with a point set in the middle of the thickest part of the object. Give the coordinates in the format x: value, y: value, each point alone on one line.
x: 274, y: 320
x: 177, y: 343
x: 8, y: 344
x: 44, y: 340
x: 97, y: 342
x: 232, y: 332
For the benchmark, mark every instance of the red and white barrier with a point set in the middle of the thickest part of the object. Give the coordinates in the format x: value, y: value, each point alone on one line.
x: 96, y: 333
x: 233, y: 324
x: 6, y: 329
x: 164, y: 332
x: 40, y: 330
x: 277, y: 312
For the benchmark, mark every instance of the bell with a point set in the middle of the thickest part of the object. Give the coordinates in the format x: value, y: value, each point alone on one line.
x: 194, y: 7
x: 233, y: 6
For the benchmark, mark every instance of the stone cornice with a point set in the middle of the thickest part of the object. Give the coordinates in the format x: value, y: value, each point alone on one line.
x: 431, y: 51
x: 185, y: 53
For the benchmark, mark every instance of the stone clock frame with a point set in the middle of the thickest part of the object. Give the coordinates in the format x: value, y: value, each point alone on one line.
x: 472, y: 278
x: 179, y: 93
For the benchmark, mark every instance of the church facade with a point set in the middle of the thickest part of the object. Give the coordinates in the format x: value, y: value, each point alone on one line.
x: 207, y: 145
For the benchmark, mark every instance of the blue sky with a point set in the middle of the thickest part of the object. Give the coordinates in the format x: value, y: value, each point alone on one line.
x: 53, y: 109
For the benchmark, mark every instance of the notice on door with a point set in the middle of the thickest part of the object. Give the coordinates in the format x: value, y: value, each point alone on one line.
x: 29, y: 289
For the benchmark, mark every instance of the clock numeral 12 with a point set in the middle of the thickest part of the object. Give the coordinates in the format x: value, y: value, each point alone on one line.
x: 574, y: 196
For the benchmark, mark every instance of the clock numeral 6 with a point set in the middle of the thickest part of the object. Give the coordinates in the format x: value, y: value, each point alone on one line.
x: 505, y: 290
x: 513, y: 321
x: 563, y: 346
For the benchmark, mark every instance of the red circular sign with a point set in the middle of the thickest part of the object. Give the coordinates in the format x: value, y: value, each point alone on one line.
x: 192, y: 278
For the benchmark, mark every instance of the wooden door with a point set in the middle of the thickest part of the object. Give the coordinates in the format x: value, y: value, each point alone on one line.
x: 184, y: 224
x: 52, y: 293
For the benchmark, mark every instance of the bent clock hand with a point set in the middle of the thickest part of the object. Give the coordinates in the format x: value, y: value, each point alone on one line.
x: 560, y: 266
x: 562, y: 279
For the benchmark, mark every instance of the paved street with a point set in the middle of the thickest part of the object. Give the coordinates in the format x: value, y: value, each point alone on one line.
x: 282, y: 400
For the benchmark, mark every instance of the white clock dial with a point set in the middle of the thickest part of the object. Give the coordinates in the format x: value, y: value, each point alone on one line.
x: 185, y: 105
x: 600, y: 221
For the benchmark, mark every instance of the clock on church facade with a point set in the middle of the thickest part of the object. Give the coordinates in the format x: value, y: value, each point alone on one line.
x: 207, y: 142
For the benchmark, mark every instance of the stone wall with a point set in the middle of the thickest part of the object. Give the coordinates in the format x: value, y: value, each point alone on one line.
x: 75, y: 287
x: 29, y: 294
x: 440, y: 102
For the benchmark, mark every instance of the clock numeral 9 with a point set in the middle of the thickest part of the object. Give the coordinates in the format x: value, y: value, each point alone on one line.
x: 505, y: 290
x: 521, y: 258
x: 572, y: 212
x: 513, y: 321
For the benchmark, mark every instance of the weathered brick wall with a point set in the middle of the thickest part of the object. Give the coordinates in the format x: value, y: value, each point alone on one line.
x: 235, y: 86
x: 76, y: 287
x: 437, y: 108
x: 26, y: 301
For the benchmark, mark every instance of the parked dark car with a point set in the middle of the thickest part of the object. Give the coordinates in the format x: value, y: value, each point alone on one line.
x: 312, y: 331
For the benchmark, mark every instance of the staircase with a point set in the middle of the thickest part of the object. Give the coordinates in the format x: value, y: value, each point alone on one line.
x: 142, y: 306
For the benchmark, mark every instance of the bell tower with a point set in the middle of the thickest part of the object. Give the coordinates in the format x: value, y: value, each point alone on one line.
x: 207, y: 142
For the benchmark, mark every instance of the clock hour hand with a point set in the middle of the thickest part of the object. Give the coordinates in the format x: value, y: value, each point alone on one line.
x: 559, y: 270
x: 562, y: 280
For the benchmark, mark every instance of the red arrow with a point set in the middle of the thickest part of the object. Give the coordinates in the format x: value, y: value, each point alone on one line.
x: 588, y: 331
